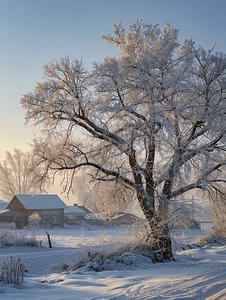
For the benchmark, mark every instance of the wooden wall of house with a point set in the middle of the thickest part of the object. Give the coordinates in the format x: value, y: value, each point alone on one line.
x: 16, y: 205
x: 20, y: 220
x: 47, y: 216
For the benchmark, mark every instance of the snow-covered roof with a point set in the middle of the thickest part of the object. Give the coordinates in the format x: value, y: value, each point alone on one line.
x: 3, y: 204
x: 124, y: 217
x: 41, y: 201
x: 74, y: 209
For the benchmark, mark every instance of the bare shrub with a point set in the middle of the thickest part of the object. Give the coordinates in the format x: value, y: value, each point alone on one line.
x: 20, y: 238
x: 12, y: 271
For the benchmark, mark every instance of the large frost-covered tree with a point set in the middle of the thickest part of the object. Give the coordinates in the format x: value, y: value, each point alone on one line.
x: 153, y: 118
x: 15, y: 175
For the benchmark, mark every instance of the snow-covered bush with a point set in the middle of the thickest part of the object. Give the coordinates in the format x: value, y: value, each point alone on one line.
x: 20, y: 238
x: 130, y: 247
x: 12, y: 271
x: 209, y: 239
x: 9, y: 238
x: 34, y: 221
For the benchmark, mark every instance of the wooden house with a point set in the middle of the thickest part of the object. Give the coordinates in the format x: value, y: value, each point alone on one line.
x: 123, y: 218
x: 76, y: 210
x: 49, y: 207
x: 74, y: 214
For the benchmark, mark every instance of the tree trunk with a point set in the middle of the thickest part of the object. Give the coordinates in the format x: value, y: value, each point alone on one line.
x: 159, y: 237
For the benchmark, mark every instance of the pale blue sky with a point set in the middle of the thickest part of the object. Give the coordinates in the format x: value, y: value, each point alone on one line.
x: 34, y: 32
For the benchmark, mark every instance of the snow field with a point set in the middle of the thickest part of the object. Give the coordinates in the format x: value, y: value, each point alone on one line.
x: 196, y: 274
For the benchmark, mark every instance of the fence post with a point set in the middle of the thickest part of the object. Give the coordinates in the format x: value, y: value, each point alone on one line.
x: 49, y: 241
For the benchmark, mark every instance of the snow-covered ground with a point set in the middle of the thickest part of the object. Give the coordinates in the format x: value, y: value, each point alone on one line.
x: 196, y: 274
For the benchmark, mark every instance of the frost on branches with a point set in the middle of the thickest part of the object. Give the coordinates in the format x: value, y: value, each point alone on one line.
x: 153, y: 118
x: 15, y: 175
x: 34, y: 221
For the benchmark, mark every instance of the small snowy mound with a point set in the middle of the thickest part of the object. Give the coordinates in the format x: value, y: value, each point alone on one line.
x: 123, y: 259
x: 211, y: 239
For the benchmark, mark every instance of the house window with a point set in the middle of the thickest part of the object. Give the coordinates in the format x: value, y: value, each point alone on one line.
x: 54, y: 219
